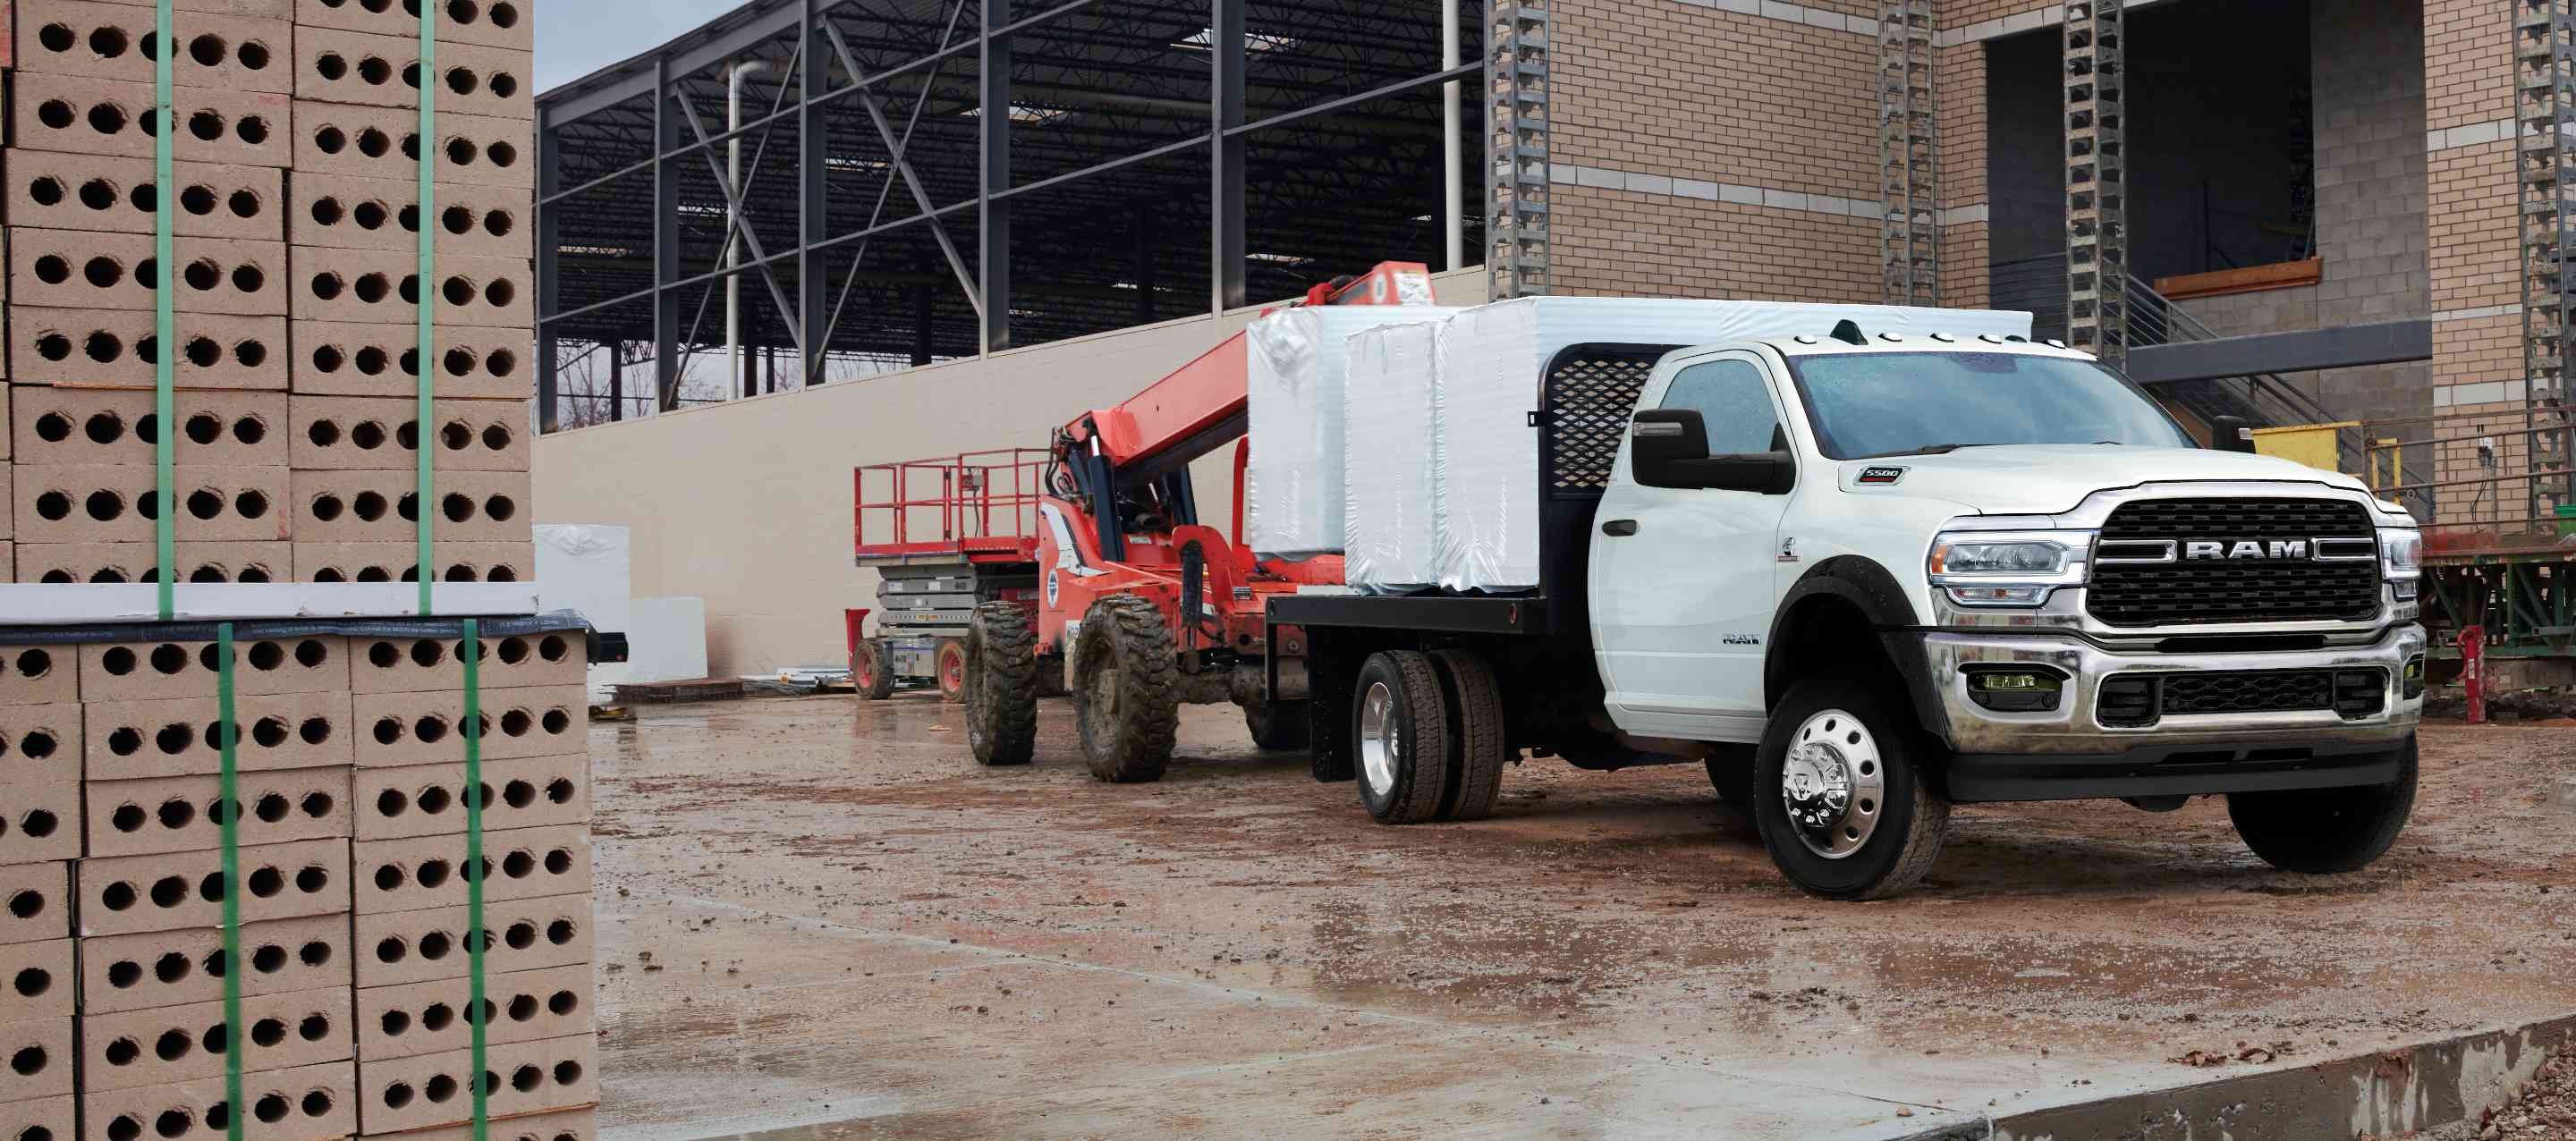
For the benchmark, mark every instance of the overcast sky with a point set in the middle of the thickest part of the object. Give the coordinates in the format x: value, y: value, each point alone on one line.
x: 577, y: 37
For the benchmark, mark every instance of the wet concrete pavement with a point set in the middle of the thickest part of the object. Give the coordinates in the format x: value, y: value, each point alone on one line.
x: 819, y: 918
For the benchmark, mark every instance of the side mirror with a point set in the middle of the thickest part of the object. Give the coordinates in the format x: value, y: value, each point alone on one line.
x: 2230, y: 434
x: 1668, y: 447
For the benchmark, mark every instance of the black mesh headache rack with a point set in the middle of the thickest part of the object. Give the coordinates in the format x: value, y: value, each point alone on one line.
x: 1585, y: 402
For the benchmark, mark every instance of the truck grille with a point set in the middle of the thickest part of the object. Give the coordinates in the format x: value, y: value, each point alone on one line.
x: 2134, y: 700
x: 2227, y: 590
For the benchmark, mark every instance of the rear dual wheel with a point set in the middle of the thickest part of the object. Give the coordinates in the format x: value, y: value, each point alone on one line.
x: 1428, y: 733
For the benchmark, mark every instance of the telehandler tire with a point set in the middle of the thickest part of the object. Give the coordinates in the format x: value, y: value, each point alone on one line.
x: 1001, y: 684
x: 1125, y: 682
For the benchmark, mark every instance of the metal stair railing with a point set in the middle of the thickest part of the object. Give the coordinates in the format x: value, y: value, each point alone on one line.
x: 2265, y: 400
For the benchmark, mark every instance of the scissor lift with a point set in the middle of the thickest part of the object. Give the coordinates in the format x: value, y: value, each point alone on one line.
x: 943, y: 534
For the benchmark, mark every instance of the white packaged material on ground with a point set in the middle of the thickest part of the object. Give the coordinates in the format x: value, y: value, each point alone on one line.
x: 668, y: 641
x: 1491, y: 364
x: 586, y: 567
x: 1293, y: 481
x: 1389, y: 539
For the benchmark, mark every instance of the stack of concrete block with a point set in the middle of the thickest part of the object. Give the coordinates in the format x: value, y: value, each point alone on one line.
x: 408, y: 860
x: 355, y: 937
x: 40, y: 812
x: 152, y: 1030
x: 353, y: 225
x: 296, y: 224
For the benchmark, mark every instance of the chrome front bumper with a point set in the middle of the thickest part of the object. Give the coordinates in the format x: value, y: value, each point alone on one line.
x: 2073, y: 728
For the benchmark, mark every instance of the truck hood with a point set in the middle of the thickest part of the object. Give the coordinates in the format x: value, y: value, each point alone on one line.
x: 2045, y: 479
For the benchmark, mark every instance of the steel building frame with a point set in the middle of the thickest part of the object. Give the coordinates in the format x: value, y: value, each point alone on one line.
x: 941, y: 178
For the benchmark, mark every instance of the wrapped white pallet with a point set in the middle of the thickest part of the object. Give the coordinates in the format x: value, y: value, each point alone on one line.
x: 1492, y: 364
x: 1294, y: 373
x: 1390, y: 542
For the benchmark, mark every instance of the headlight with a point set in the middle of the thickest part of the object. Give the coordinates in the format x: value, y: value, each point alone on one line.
x: 2401, y: 552
x: 2003, y: 568
x: 2036, y: 559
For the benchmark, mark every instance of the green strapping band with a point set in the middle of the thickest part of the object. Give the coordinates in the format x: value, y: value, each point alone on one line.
x: 470, y: 651
x: 228, y: 796
x: 424, y: 508
x: 165, y: 317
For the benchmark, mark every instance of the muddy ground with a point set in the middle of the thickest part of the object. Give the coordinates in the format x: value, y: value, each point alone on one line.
x: 818, y: 916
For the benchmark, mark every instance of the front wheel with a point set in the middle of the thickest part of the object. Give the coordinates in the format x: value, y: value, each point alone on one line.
x: 2321, y: 831
x: 1839, y: 795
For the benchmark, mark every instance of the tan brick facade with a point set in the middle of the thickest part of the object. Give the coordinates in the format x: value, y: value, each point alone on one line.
x: 1618, y: 242
x: 1661, y: 87
x: 2470, y: 195
x: 2468, y: 62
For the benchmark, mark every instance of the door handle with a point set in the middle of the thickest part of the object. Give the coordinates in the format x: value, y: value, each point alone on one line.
x: 1619, y: 527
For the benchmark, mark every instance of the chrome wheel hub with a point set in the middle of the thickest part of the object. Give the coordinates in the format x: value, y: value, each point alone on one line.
x: 1832, y: 782
x: 1381, y: 742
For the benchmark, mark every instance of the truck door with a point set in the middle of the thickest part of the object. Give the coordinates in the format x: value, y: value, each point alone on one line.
x: 1681, y: 578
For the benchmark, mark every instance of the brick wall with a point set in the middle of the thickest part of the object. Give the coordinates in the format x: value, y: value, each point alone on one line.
x: 1663, y: 87
x: 1696, y: 91
x: 2477, y: 366
x: 1959, y: 97
x: 2468, y: 50
x: 1618, y: 242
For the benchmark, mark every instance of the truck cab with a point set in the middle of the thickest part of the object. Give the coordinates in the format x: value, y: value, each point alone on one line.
x: 1862, y: 578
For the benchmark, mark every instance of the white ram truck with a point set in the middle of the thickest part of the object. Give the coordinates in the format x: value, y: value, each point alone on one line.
x: 1865, y: 577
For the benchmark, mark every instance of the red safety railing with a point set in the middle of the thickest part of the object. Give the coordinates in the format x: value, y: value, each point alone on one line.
x: 967, y: 504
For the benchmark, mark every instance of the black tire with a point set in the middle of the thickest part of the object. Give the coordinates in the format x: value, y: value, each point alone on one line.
x: 948, y: 668
x: 1730, y: 773
x: 1125, y: 689
x: 872, y: 670
x: 1900, y: 828
x: 1278, y: 728
x: 1409, y: 780
x: 1001, y: 684
x: 1477, y: 745
x: 2322, y: 831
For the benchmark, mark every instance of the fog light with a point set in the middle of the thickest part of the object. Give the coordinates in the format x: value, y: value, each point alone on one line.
x: 2015, y: 691
x: 2414, y: 677
x: 2405, y: 588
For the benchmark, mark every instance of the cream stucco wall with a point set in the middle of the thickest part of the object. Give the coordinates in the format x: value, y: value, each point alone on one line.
x: 747, y: 504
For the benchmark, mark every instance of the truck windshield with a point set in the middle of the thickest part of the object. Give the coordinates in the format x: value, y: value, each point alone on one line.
x: 1866, y: 405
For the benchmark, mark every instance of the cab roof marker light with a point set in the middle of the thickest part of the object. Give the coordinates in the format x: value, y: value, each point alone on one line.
x: 1944, y: 338
x: 1804, y: 339
x: 1890, y: 337
x: 1990, y: 338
